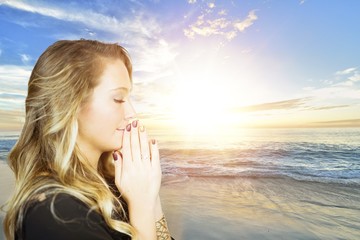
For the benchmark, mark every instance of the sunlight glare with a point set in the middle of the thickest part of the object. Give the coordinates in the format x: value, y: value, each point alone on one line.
x: 200, y: 105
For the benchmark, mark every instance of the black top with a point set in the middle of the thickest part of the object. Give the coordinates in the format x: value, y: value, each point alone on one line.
x: 76, y: 223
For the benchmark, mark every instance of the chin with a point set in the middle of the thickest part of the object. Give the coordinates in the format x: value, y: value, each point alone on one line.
x: 116, y: 142
x: 117, y: 146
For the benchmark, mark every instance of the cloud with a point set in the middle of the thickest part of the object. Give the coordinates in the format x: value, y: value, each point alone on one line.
x: 89, y: 18
x: 355, y: 77
x: 211, y: 5
x: 90, y: 33
x: 344, y: 86
x: 350, y: 80
x: 14, y: 75
x: 337, y: 123
x: 329, y: 107
x: 205, y: 26
x: 191, y: 1
x: 155, y: 58
x: 11, y: 119
x: 25, y: 58
x: 345, y: 71
x: 222, y: 12
x: 13, y: 85
x: 339, y: 91
x: 140, y: 33
x: 280, y: 105
x: 242, y: 25
x: 12, y: 96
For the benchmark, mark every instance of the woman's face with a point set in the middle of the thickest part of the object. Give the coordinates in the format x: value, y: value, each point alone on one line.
x: 103, y: 118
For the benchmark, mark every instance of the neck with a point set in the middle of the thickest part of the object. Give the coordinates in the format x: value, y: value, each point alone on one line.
x: 92, y: 155
x: 93, y: 159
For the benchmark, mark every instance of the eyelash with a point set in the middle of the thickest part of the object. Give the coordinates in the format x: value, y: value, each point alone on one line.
x: 119, y: 101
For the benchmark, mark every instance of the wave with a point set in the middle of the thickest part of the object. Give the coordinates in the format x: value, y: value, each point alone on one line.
x: 9, y: 137
x: 331, y: 205
x: 268, y: 175
x: 5, y: 147
x: 304, y: 163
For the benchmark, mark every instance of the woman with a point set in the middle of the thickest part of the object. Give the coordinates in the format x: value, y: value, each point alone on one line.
x: 84, y: 166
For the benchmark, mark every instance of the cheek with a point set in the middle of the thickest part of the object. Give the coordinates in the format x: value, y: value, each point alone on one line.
x: 112, y: 118
x: 117, y: 113
x: 104, y: 115
x: 95, y: 120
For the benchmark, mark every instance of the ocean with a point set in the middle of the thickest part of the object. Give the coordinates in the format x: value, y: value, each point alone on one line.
x: 319, y: 155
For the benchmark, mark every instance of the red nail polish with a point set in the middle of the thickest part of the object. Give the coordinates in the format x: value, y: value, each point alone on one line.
x: 115, y: 156
x: 134, y: 123
x: 128, y: 127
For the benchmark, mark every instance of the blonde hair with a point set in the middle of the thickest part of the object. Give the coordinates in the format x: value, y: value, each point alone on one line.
x: 45, y: 158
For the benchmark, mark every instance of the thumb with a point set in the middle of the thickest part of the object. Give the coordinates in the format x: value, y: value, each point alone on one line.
x: 118, y: 159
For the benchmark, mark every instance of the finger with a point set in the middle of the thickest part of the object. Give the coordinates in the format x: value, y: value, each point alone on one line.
x: 118, y: 163
x: 144, y: 144
x: 126, y: 146
x: 134, y: 141
x: 155, y: 157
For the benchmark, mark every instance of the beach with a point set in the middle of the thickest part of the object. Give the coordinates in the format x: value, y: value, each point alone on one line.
x: 261, y: 208
x: 251, y: 208
x: 7, y: 184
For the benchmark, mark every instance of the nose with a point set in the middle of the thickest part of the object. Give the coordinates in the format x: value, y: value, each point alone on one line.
x: 129, y: 110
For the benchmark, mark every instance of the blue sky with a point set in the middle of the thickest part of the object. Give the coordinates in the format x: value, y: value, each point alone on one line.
x: 203, y: 64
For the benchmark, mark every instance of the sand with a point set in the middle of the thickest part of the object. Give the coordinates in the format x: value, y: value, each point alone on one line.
x: 250, y: 208
x: 6, y: 182
x: 6, y: 187
x: 244, y: 208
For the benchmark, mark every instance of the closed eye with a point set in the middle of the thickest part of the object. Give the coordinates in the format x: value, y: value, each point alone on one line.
x: 119, y: 101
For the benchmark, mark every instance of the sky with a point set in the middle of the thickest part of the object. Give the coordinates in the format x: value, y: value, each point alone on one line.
x: 203, y: 66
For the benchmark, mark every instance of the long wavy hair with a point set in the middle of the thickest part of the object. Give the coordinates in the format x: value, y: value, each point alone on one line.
x: 46, y: 158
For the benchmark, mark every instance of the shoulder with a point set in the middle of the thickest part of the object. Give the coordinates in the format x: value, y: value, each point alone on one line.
x: 65, y: 217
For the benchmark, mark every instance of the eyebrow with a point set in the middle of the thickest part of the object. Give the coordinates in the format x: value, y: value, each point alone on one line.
x: 127, y: 90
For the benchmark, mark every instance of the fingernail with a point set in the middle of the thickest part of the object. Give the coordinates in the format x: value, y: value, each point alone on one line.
x: 142, y: 128
x: 153, y: 141
x: 115, y: 156
x: 128, y: 127
x: 134, y: 123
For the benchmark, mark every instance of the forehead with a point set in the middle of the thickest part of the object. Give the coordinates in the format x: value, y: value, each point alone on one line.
x: 115, y: 77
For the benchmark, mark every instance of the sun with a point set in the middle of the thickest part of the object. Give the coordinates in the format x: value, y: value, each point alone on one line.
x: 201, y: 106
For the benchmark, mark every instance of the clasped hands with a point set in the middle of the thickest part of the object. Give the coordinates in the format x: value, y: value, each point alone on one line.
x: 137, y: 168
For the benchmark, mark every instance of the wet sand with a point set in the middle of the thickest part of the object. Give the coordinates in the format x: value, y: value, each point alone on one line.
x: 244, y: 208
x: 250, y: 208
x: 6, y: 187
x: 6, y: 182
